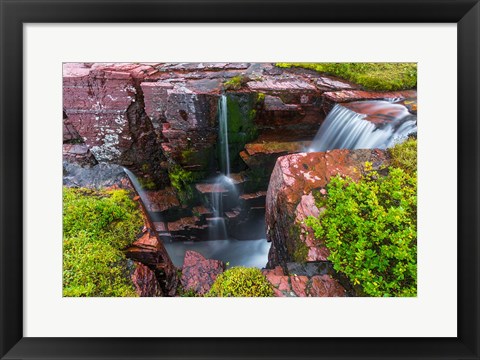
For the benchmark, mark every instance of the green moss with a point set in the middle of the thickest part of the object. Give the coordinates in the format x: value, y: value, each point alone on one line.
x: 97, y: 225
x: 260, y: 97
x: 299, y: 250
x: 147, y: 183
x: 182, y: 181
x: 236, y: 82
x: 187, y: 155
x: 241, y: 282
x: 404, y: 155
x: 374, y: 76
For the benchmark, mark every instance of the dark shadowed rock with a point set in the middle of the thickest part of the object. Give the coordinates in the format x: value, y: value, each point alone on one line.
x: 145, y: 282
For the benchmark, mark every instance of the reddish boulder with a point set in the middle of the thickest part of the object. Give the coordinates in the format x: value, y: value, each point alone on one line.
x: 145, y: 282
x: 293, y: 285
x: 289, y: 199
x: 325, y: 286
x: 198, y: 273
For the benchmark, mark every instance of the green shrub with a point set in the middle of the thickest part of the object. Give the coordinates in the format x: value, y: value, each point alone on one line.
x: 404, y: 155
x: 241, y: 282
x: 374, y: 76
x: 370, y: 228
x: 97, y: 225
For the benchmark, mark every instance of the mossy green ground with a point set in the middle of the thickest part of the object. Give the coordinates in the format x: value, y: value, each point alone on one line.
x: 241, y: 282
x: 372, y: 76
x: 97, y: 225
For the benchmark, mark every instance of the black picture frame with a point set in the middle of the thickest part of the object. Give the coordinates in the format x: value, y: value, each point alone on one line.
x: 14, y: 13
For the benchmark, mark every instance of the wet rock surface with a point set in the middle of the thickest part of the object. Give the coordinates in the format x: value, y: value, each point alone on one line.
x: 145, y: 282
x: 304, y: 283
x: 198, y: 273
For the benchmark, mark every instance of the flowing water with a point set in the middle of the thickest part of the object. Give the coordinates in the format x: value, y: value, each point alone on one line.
x: 222, y: 196
x: 223, y: 134
x: 344, y: 128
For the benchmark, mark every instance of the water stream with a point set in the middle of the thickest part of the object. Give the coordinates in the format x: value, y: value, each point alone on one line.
x: 381, y: 124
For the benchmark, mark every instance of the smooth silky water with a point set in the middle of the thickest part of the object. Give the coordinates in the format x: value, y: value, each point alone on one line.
x: 251, y: 253
x: 346, y: 129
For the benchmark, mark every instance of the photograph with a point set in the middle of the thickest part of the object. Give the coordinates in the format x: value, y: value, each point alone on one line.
x: 233, y: 179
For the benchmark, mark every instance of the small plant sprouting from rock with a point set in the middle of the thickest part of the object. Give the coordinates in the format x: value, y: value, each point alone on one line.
x: 236, y: 82
x: 241, y: 282
x: 181, y: 181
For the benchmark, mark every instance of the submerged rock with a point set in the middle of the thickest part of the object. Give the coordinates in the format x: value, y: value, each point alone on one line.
x: 198, y: 273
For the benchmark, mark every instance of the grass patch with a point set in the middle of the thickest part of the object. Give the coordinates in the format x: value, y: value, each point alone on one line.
x: 97, y: 225
x: 373, y: 76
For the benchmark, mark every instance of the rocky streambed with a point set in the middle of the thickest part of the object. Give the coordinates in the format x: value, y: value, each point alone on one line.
x: 161, y: 121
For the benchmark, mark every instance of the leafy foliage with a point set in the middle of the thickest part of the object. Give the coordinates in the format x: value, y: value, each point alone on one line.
x: 96, y: 226
x: 374, y: 76
x: 241, y: 282
x: 370, y: 228
x: 404, y: 155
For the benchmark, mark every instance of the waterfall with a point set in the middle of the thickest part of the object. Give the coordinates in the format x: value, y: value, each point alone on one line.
x: 223, y: 134
x: 344, y: 128
x: 138, y: 187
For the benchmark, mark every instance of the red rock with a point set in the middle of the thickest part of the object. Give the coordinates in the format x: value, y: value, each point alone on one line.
x: 145, y: 282
x: 299, y: 285
x: 211, y: 188
x: 378, y: 112
x: 293, y: 177
x: 155, y: 96
x: 149, y: 250
x: 274, y: 103
x: 332, y: 98
x: 355, y: 95
x: 279, y: 84
x: 162, y: 200
x: 198, y: 273
x: 325, y: 286
x: 184, y: 223
x: 331, y: 83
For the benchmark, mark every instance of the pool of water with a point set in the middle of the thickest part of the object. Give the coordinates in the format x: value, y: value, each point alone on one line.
x: 250, y: 253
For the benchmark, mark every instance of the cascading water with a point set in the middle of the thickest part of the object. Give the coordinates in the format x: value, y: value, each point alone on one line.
x: 138, y: 188
x: 217, y: 227
x: 223, y: 134
x: 344, y: 128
